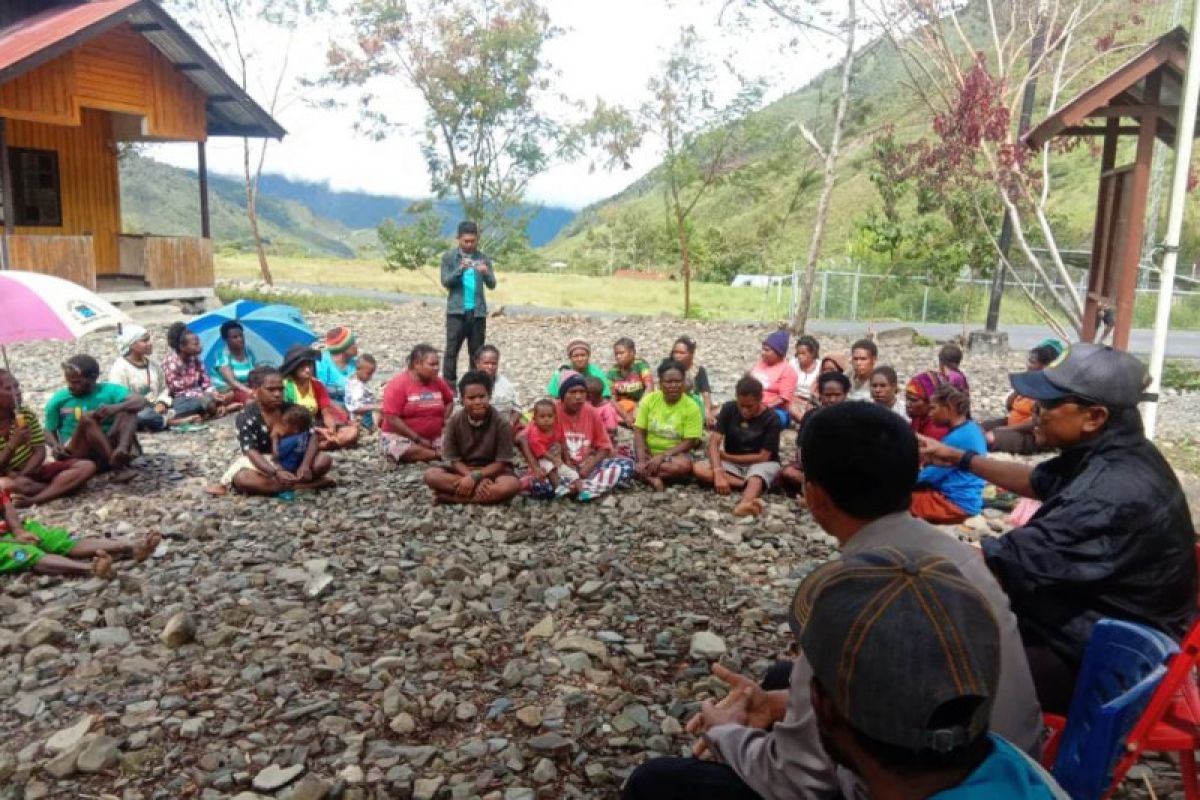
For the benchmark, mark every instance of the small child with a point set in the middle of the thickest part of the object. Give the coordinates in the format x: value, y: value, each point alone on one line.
x: 542, y: 445
x: 609, y: 414
x: 630, y: 378
x: 29, y: 545
x: 360, y: 398
x: 885, y: 386
x: 291, y: 437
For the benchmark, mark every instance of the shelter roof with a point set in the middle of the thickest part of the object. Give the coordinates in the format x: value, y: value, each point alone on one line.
x: 34, y: 40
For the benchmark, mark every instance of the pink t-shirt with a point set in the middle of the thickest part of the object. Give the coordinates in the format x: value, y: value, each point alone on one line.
x: 582, y: 433
x: 422, y: 406
x: 609, y: 416
x: 778, y: 382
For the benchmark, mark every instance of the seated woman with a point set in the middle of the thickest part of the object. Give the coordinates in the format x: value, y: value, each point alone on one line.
x: 192, y: 392
x: 253, y: 471
x: 504, y: 394
x: 807, y: 370
x: 668, y: 427
x: 92, y: 420
x: 333, y: 425
x: 338, y: 363
x: 832, y: 388
x: 137, y: 372
x: 416, y: 405
x: 695, y: 378
x: 478, y: 448
x: 918, y: 404
x: 588, y: 448
x: 743, y: 450
x: 29, y: 545
x: 24, y: 471
x: 630, y: 379
x: 948, y: 495
x: 234, y: 363
x: 833, y: 363
x: 579, y: 354
x: 884, y: 388
x: 776, y: 375
x: 1014, y: 433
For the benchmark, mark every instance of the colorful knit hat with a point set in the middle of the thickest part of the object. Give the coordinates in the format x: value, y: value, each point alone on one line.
x: 575, y: 344
x: 924, y: 384
x: 339, y: 340
x: 568, y: 380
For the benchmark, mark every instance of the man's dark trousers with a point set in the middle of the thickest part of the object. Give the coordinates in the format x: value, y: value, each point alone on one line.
x: 462, y: 328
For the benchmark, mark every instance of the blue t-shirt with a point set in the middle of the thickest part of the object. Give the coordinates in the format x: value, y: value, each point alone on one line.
x: 1006, y: 773
x: 335, y: 377
x: 963, y: 488
x: 468, y: 282
x: 292, y: 449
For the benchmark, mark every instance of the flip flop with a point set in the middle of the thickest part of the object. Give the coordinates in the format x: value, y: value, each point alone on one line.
x: 190, y: 427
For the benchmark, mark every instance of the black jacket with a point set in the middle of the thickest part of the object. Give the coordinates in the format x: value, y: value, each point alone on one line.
x: 1113, y: 538
x: 452, y: 274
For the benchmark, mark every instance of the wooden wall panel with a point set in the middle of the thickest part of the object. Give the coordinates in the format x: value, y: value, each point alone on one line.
x: 87, y: 170
x: 70, y: 257
x: 116, y: 71
x: 178, y: 262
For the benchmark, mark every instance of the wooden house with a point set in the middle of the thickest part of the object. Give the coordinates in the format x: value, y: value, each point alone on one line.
x: 76, y: 80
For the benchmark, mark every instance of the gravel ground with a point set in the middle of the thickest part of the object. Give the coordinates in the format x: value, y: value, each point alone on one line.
x: 359, y: 643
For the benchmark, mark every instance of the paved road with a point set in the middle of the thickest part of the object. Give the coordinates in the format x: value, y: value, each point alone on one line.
x: 1180, y: 344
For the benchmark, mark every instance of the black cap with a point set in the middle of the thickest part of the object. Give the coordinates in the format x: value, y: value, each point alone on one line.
x: 1093, y: 372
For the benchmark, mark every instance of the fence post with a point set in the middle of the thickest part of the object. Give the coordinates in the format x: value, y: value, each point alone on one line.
x: 854, y: 298
x: 824, y: 291
x: 925, y: 304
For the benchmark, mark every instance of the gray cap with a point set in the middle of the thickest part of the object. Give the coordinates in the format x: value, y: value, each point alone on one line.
x: 1093, y: 372
x: 893, y: 637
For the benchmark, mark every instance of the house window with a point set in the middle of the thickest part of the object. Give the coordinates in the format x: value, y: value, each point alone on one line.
x: 37, y: 198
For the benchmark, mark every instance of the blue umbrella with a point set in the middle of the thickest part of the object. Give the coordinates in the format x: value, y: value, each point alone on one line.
x: 270, y: 330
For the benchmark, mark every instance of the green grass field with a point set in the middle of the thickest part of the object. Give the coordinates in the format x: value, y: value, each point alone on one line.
x: 652, y: 298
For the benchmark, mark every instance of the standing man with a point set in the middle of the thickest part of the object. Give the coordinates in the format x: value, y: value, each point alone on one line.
x: 465, y: 273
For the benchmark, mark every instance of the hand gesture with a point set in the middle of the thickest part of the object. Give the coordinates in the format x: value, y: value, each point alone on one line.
x: 720, y: 482
x: 23, y: 536
x: 464, y: 488
x: 934, y: 452
x: 104, y: 412
x: 285, y: 478
x: 18, y: 437
x: 483, y: 491
x: 304, y: 474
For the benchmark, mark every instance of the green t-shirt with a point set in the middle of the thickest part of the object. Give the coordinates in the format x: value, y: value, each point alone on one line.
x: 592, y: 371
x: 64, y: 409
x: 667, y: 425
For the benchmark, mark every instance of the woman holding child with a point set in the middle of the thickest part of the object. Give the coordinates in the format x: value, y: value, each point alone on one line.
x: 586, y: 446
x: 668, y: 427
x: 334, y: 428
x: 259, y: 427
x: 478, y: 449
x: 416, y: 405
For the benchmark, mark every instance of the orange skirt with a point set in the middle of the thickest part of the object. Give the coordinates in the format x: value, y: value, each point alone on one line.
x: 932, y: 506
x: 627, y: 405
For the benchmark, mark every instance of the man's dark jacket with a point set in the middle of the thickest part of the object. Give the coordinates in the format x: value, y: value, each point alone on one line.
x: 452, y: 272
x: 1113, y: 538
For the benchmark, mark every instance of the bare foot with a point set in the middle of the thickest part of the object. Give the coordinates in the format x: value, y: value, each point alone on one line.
x: 102, y: 565
x: 749, y: 508
x: 120, y: 458
x: 20, y: 500
x: 232, y: 408
x: 122, y: 475
x: 656, y: 484
x: 146, y: 547
x: 216, y: 490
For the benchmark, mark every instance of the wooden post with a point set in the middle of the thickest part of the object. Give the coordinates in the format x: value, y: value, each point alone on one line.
x: 202, y: 171
x: 1101, y: 232
x: 1138, y: 194
x: 6, y: 192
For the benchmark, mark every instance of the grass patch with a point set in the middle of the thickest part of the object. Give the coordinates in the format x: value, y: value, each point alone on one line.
x: 1182, y: 375
x: 311, y: 303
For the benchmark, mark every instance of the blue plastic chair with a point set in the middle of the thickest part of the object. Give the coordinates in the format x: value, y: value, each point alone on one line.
x: 1122, y: 667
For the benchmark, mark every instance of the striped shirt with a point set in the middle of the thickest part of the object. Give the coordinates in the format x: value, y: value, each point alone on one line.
x: 20, y: 457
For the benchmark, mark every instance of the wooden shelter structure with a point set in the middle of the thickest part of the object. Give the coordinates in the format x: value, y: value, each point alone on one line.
x: 1138, y: 99
x: 76, y: 80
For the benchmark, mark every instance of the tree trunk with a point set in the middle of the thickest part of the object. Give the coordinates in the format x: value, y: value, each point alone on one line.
x: 252, y: 214
x: 830, y: 178
x: 686, y: 253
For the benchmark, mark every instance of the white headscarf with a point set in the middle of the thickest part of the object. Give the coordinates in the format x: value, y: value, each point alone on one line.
x: 128, y: 336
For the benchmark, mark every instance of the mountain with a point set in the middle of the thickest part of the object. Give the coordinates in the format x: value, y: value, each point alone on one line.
x: 730, y: 218
x: 295, y: 217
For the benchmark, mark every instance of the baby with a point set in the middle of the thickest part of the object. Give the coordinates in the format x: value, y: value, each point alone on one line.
x: 291, y: 436
x: 360, y: 398
x: 610, y: 415
x: 541, y: 444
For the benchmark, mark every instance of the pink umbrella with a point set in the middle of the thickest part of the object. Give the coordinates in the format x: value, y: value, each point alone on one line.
x: 36, y: 307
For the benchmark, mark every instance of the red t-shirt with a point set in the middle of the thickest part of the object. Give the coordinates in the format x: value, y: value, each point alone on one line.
x: 540, y: 443
x: 422, y: 406
x: 582, y: 433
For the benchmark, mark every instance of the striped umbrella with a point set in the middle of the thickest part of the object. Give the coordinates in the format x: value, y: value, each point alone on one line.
x: 270, y: 330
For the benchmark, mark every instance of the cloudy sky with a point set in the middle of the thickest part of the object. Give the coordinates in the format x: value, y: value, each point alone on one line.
x: 608, y: 50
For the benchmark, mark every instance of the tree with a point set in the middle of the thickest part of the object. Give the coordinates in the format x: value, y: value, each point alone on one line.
x: 227, y: 27
x: 970, y: 84
x: 481, y: 72
x: 703, y: 141
x: 416, y: 244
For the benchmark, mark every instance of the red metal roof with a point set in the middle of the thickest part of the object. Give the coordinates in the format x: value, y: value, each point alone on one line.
x: 43, y: 30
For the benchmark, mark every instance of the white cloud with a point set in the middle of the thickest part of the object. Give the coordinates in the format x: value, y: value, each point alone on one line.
x: 608, y: 50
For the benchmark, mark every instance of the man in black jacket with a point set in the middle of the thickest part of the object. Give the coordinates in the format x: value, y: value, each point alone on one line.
x: 1113, y: 538
x: 465, y: 273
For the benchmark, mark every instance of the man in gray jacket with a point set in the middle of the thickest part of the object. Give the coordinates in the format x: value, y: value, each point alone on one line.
x: 465, y: 273
x: 860, y: 464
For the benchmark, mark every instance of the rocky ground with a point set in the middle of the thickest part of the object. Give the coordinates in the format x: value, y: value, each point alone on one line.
x: 359, y: 643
